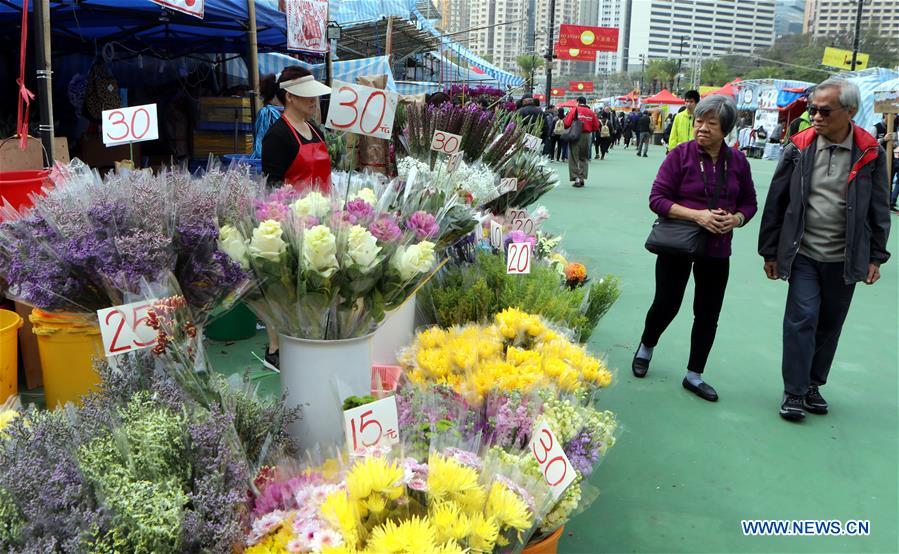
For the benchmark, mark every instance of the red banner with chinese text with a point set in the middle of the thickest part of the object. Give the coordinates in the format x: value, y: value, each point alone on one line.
x: 602, y: 39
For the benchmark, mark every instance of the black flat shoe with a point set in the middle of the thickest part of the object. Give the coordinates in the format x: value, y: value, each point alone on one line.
x: 640, y: 366
x: 704, y: 390
x: 273, y: 358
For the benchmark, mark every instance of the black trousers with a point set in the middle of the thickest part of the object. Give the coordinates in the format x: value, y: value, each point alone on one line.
x: 817, y: 304
x: 672, y: 273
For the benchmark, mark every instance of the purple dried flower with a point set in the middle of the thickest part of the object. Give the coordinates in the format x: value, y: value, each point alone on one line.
x: 423, y: 224
x: 385, y: 229
x: 582, y: 452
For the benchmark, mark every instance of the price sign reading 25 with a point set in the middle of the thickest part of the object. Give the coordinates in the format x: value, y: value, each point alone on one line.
x: 127, y: 125
x: 124, y: 328
x: 374, y: 424
x: 362, y: 110
x: 553, y: 463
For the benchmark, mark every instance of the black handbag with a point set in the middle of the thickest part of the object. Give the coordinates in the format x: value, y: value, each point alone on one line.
x: 680, y: 237
x: 573, y: 133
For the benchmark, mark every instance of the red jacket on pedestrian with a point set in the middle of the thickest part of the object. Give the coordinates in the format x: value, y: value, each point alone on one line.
x: 587, y: 117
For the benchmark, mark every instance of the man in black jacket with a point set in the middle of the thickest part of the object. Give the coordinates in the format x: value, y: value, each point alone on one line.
x: 824, y: 229
x: 644, y: 131
x: 530, y: 113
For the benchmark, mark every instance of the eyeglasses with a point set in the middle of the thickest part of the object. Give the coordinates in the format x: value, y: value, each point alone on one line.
x: 825, y: 112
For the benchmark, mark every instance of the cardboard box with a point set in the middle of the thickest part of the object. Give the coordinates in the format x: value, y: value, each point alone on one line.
x: 14, y: 159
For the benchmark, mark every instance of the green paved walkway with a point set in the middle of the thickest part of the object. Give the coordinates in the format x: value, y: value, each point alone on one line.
x: 684, y: 471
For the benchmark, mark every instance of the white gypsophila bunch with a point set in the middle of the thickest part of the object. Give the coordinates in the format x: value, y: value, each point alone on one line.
x: 468, y: 180
x: 407, y: 164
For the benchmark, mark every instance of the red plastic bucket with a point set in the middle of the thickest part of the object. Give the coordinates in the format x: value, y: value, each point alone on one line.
x: 15, y: 186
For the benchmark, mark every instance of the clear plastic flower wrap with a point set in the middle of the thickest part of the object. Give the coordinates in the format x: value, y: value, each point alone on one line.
x: 90, y: 241
x: 535, y: 178
x: 329, y: 267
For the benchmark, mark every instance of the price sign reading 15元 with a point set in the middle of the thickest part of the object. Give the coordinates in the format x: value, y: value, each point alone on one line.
x: 371, y: 425
x: 363, y: 110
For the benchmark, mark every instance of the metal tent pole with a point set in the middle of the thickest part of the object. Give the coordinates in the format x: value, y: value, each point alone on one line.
x: 44, y: 76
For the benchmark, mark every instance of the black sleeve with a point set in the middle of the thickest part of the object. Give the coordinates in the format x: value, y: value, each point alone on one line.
x: 279, y: 149
x: 776, y: 204
x: 879, y: 210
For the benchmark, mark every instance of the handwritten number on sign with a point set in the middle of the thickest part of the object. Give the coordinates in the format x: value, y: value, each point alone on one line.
x: 351, y: 104
x: 115, y: 347
x: 120, y: 121
x: 518, y: 258
x: 359, y: 434
x: 365, y: 110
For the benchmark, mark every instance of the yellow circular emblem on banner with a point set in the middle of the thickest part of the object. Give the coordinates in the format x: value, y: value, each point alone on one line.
x: 580, y: 86
x: 573, y: 52
x: 587, y: 38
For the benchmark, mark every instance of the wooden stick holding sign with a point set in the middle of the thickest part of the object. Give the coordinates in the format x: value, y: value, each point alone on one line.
x: 362, y: 110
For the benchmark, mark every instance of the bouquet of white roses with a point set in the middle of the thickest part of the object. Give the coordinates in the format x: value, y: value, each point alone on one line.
x: 329, y: 267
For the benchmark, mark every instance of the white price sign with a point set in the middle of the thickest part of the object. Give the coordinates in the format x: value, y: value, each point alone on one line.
x: 496, y: 234
x: 374, y: 424
x: 521, y: 221
x: 508, y: 184
x: 124, y: 328
x: 531, y: 142
x: 553, y: 463
x: 453, y: 163
x: 127, y: 125
x: 446, y: 143
x: 363, y: 110
x: 518, y: 258
x: 190, y: 7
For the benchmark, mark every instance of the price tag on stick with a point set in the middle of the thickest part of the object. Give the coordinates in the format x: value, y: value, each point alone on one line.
x: 360, y: 109
x: 496, y: 234
x: 518, y: 258
x: 453, y: 162
x: 508, y: 184
x: 446, y: 143
x: 551, y: 459
x: 124, y: 328
x: 127, y: 125
x: 371, y: 425
x: 532, y: 142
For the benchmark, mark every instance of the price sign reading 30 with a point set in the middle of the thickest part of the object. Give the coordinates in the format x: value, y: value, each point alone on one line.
x: 127, y: 125
x: 371, y: 425
x: 553, y: 463
x: 360, y: 109
x: 446, y: 143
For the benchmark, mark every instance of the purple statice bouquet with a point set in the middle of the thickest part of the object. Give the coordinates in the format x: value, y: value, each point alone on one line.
x: 91, y: 243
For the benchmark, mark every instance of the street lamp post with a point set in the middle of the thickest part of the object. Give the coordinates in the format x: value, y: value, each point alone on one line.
x: 858, y: 31
x: 549, y: 49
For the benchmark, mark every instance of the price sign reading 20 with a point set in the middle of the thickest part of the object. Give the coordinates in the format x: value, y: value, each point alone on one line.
x: 362, y: 110
x: 127, y: 125
x: 518, y: 258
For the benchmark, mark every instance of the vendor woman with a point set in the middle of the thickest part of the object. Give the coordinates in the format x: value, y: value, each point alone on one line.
x: 294, y: 150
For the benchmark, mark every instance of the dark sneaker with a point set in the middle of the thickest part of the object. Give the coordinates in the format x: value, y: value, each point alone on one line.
x: 813, y: 402
x: 273, y: 358
x: 579, y: 183
x: 791, y: 408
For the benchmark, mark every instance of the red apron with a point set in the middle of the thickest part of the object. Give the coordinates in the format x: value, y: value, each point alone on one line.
x: 312, y: 166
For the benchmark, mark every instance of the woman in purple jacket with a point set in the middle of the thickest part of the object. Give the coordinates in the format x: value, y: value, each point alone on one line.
x: 683, y: 186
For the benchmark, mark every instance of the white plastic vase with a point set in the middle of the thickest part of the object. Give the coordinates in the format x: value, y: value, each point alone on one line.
x: 317, y: 375
x: 394, y: 334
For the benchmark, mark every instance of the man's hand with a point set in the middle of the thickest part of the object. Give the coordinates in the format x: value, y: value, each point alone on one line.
x: 873, y: 274
x: 771, y: 270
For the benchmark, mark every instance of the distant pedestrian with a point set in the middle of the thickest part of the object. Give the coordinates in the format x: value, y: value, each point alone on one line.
x: 824, y: 229
x: 628, y: 132
x: 559, y: 150
x: 579, y: 149
x: 682, y: 128
x: 707, y: 185
x: 605, y: 134
x: 645, y: 129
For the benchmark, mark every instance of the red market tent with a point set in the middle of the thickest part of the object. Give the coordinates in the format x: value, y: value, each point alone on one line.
x: 728, y: 89
x: 663, y: 97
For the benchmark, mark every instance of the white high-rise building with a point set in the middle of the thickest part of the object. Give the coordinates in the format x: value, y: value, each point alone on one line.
x: 501, y: 44
x: 694, y: 29
x: 567, y: 11
x: 824, y: 18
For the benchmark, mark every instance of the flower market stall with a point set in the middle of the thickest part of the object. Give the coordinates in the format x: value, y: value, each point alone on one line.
x: 480, y: 434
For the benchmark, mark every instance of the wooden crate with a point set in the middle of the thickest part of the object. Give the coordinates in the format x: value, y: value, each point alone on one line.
x: 225, y: 110
x: 211, y: 142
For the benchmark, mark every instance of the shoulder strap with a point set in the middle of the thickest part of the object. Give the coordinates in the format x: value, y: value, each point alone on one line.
x: 721, y: 178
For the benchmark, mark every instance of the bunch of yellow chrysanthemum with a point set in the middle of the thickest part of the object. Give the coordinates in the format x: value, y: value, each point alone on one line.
x: 518, y: 352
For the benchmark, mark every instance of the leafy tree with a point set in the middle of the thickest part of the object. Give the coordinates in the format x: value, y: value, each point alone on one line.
x: 662, y: 73
x: 528, y: 65
x: 715, y: 73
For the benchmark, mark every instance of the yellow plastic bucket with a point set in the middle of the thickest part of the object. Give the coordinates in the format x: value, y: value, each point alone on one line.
x: 10, y: 322
x: 67, y: 344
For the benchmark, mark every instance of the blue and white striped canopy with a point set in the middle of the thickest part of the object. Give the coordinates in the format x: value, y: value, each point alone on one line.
x: 347, y: 12
x: 346, y: 71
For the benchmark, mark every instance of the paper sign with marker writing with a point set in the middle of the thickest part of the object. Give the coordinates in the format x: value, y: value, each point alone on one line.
x: 518, y: 258
x: 507, y: 184
x: 373, y: 425
x: 190, y: 7
x: 551, y: 459
x: 360, y: 109
x: 127, y: 125
x: 496, y: 234
x: 453, y: 163
x: 446, y: 143
x: 124, y: 328
x: 531, y: 142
